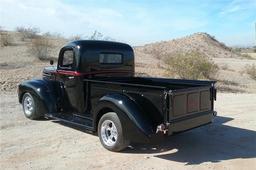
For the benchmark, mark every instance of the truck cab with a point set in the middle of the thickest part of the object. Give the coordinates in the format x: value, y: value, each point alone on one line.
x: 93, y: 85
x: 88, y: 59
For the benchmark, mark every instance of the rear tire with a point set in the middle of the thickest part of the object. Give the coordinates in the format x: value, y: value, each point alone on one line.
x: 32, y: 107
x: 111, y: 133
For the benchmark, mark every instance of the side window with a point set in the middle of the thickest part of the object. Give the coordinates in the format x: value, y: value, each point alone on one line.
x: 67, y: 59
x: 109, y: 58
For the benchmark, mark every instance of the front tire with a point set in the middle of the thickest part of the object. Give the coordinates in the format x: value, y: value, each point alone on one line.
x: 32, y: 107
x: 111, y: 133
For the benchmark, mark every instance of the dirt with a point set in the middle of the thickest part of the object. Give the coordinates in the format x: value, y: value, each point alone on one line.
x: 227, y: 143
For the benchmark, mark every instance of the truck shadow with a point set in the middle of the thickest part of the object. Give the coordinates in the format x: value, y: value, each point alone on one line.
x: 212, y: 143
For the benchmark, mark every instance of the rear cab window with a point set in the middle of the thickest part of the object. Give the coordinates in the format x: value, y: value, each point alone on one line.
x: 110, y: 58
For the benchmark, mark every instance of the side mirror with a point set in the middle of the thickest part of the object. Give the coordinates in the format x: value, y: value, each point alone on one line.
x: 51, y: 62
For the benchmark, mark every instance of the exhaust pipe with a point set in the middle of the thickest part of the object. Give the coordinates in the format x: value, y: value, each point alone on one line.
x: 162, y: 128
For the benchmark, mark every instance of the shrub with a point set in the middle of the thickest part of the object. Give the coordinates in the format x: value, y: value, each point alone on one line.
x: 251, y: 70
x: 247, y: 56
x: 236, y: 50
x: 5, y: 39
x: 224, y: 67
x: 41, y: 47
x: 96, y: 36
x: 191, y: 65
x: 99, y: 36
x: 52, y: 35
x: 75, y: 37
x: 28, y: 33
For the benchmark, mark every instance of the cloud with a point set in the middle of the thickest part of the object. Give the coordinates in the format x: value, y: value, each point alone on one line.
x: 236, y: 6
x: 129, y: 21
x: 54, y: 16
x: 231, y: 9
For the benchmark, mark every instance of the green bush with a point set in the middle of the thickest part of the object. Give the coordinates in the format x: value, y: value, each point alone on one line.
x: 191, y: 65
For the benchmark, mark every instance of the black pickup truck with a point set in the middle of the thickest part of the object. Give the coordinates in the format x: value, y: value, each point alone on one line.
x: 94, y: 86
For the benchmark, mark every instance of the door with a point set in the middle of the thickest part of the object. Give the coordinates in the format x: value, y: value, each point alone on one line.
x: 73, y: 97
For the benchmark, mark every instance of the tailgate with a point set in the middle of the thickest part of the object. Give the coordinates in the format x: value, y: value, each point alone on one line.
x: 190, y: 101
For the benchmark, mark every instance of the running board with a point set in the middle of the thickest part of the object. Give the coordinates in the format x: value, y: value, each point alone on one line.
x: 72, y: 119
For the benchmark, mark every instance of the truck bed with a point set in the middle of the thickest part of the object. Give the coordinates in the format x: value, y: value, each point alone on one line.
x: 165, y: 100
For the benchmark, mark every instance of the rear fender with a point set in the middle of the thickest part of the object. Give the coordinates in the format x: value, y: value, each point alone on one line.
x: 43, y: 90
x: 129, y: 113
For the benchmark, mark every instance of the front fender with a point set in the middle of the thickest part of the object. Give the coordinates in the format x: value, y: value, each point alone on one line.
x: 132, y: 117
x: 43, y: 90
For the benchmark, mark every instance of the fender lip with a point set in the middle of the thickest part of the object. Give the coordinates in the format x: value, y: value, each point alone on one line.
x: 41, y: 89
x: 139, y: 129
x: 125, y: 104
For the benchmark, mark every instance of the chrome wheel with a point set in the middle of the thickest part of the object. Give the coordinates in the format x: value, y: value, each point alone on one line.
x: 28, y: 105
x: 109, y: 133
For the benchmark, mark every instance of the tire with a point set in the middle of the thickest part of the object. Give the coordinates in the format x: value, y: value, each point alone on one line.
x: 32, y: 107
x: 111, y: 133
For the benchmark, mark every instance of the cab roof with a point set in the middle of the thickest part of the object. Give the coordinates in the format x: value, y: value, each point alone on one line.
x: 99, y: 44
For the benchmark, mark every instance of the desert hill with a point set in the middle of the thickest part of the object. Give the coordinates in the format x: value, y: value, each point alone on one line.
x: 200, y: 42
x: 231, y: 76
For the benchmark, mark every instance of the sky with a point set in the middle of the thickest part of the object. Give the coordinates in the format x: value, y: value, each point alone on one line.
x: 136, y: 22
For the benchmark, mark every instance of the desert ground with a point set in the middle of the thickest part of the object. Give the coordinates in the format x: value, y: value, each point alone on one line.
x: 228, y: 143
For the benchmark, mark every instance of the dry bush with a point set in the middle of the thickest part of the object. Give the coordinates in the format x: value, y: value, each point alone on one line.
x: 251, y: 70
x: 157, y: 53
x: 224, y: 67
x: 75, y: 38
x: 52, y: 35
x: 41, y: 47
x: 191, y: 65
x: 28, y: 33
x: 5, y: 39
x: 96, y: 36
x: 247, y: 56
x: 236, y: 50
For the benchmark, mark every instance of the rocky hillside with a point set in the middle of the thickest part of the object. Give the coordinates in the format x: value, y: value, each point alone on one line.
x: 200, y: 42
x: 151, y: 55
